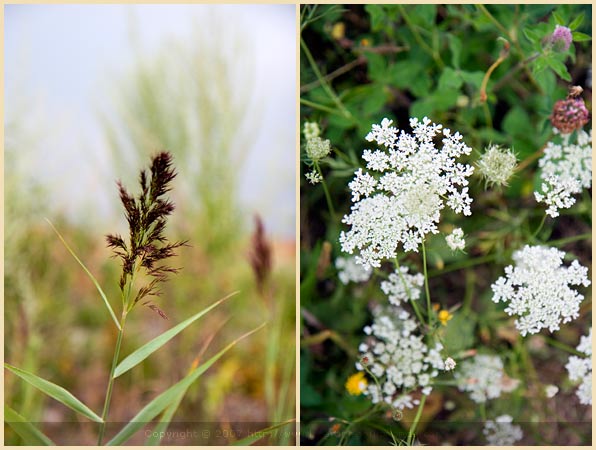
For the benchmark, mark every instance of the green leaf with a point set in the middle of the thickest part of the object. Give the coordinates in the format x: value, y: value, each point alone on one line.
x: 531, y: 35
x: 166, y: 398
x: 30, y: 434
x: 455, y: 46
x: 558, y: 19
x: 576, y: 22
x: 459, y: 333
x: 155, y: 344
x: 559, y: 68
x: 55, y: 391
x: 450, y: 80
x: 164, y: 422
x: 580, y: 37
x: 103, y: 295
x: 254, y: 437
x: 517, y: 122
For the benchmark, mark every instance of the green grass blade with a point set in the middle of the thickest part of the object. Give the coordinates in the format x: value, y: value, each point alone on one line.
x: 257, y: 435
x: 166, y: 398
x: 55, y: 391
x: 101, y: 292
x: 164, y: 422
x: 143, y: 352
x: 30, y: 434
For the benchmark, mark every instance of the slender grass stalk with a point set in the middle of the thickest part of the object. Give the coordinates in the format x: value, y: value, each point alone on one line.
x: 549, y: 340
x: 533, y: 237
x: 108, y: 397
x: 326, y: 190
x: 412, y: 430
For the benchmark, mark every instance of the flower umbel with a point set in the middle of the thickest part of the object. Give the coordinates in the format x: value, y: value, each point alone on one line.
x: 580, y: 369
x: 537, y: 289
x: 146, y: 215
x: 456, y: 240
x: 501, y: 431
x: 408, y: 182
x: 481, y: 377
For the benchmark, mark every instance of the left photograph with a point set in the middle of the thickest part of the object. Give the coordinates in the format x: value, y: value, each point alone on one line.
x: 149, y: 224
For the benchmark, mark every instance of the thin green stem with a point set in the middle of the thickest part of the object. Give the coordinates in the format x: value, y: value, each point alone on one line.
x: 533, y: 237
x: 482, y: 409
x: 108, y: 399
x: 435, y: 55
x: 412, y: 301
x: 327, y: 195
x: 426, y: 288
x: 567, y: 240
x: 412, y: 431
x: 324, y: 83
x: 319, y: 106
x: 563, y: 347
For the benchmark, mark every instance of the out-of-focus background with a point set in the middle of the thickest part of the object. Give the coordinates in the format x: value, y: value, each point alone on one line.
x: 91, y: 92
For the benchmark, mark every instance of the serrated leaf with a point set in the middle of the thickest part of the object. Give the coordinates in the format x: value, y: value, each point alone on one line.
x: 166, y: 398
x: 576, y: 22
x: 56, y: 392
x: 155, y: 344
x: 580, y: 37
x: 30, y: 434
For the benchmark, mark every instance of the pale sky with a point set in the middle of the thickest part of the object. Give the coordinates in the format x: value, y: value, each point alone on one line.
x: 59, y: 60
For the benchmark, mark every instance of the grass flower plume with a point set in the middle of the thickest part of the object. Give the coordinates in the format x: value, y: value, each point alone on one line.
x: 147, y: 246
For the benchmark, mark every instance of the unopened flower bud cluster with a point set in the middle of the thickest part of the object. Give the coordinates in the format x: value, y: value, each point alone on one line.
x: 497, y: 165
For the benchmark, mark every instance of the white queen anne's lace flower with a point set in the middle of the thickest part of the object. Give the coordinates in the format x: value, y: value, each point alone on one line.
x: 313, y: 177
x: 497, y: 164
x: 483, y: 377
x: 399, y: 198
x: 566, y: 170
x: 456, y: 240
x: 501, y: 431
x: 537, y: 289
x: 349, y: 270
x: 398, y: 357
x: 402, y: 286
x: 580, y: 369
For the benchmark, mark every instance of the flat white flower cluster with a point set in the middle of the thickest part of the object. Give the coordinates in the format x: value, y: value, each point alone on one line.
x: 580, y: 369
x: 398, y: 358
x: 349, y: 270
x: 402, y: 286
x: 501, y: 431
x: 313, y: 177
x: 481, y: 377
x: 537, y: 289
x: 566, y: 170
x: 456, y: 240
x: 398, y: 200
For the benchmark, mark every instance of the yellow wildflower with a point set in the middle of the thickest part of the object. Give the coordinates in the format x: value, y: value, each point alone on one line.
x: 445, y: 316
x: 356, y: 383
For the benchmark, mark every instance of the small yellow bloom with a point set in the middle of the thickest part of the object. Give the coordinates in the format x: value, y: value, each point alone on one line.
x: 356, y: 383
x: 338, y: 31
x: 364, y: 42
x: 436, y: 307
x: 445, y: 316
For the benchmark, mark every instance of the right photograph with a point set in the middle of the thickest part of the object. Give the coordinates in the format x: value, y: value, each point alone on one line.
x: 446, y: 224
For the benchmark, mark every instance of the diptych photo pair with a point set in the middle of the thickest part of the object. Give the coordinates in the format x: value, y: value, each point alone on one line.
x: 297, y: 224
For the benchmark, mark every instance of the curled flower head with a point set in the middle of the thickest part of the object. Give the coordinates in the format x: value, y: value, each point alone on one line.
x: 147, y: 247
x: 398, y: 199
x: 456, y: 240
x: 537, y: 289
x: 317, y: 148
x: 311, y: 130
x: 450, y: 364
x: 569, y: 114
x: 497, y: 165
x: 561, y: 38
